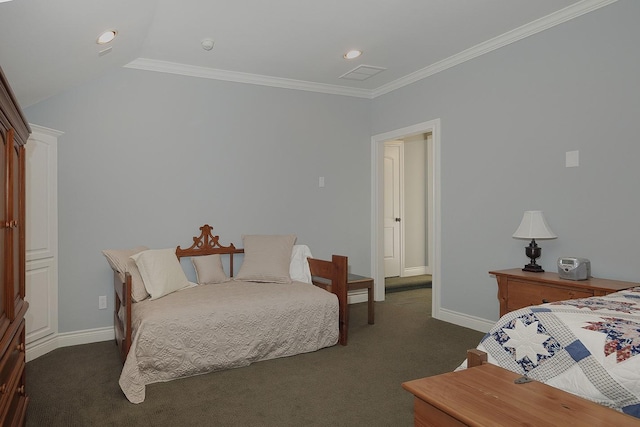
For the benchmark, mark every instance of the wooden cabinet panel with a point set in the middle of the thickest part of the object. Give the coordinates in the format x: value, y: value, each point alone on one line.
x: 4, y: 222
x: 524, y: 294
x: 426, y: 415
x: 518, y: 289
x: 15, y: 234
x: 12, y: 367
x: 14, y: 132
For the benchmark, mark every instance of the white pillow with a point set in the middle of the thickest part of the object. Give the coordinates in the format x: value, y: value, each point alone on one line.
x: 121, y: 262
x: 266, y: 258
x: 209, y: 269
x: 299, y: 267
x: 161, y: 271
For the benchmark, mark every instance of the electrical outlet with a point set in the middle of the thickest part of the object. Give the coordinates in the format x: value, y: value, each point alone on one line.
x: 102, y: 302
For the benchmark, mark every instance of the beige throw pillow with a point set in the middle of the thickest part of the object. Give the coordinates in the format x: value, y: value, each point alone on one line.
x: 121, y: 263
x: 266, y: 258
x: 161, y: 272
x: 209, y: 269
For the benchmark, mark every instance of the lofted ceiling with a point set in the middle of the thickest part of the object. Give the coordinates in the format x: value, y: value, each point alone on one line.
x: 48, y: 46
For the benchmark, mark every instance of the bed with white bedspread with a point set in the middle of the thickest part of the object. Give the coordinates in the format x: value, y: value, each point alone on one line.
x: 222, y: 322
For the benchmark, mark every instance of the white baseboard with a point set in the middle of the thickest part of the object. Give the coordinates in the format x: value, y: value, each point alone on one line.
x: 464, y: 320
x: 41, y: 347
x: 460, y: 319
x: 358, y: 296
x: 45, y: 345
x: 415, y: 271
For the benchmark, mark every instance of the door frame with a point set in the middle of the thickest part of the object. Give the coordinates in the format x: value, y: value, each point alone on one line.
x: 377, y: 198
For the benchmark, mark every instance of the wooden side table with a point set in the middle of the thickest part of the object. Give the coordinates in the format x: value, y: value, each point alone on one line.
x: 518, y: 289
x: 355, y: 282
x: 487, y: 396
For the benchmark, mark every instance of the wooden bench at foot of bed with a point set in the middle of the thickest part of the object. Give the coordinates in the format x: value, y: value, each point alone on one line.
x: 328, y: 275
x: 487, y: 394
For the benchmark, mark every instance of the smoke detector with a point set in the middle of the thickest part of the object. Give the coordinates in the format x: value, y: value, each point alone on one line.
x: 207, y: 44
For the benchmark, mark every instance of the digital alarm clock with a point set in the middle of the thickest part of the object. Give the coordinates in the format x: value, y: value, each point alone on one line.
x: 574, y: 268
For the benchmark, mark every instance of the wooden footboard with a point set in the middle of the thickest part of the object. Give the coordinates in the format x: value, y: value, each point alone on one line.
x: 476, y: 357
x: 332, y: 276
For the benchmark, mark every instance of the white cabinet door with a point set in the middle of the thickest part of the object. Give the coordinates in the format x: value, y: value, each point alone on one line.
x: 41, y: 239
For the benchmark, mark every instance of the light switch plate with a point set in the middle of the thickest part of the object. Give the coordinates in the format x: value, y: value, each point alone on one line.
x: 572, y: 159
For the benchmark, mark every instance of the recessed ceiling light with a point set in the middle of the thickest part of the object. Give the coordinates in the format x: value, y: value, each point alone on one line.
x: 106, y: 37
x: 352, y: 54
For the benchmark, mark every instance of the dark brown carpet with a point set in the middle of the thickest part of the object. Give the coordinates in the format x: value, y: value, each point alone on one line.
x: 356, y: 385
x: 400, y: 284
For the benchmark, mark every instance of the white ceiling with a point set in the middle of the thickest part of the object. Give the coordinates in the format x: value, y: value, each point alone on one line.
x: 47, y: 46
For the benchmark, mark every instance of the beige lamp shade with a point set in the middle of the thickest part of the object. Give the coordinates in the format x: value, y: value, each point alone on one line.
x: 534, y: 226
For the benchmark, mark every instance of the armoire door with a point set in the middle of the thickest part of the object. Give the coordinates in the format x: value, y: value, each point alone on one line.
x: 13, y: 297
x: 17, y: 229
x: 4, y: 225
x: 14, y: 131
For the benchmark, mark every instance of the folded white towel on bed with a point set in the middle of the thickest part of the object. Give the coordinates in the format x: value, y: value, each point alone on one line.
x: 299, y: 267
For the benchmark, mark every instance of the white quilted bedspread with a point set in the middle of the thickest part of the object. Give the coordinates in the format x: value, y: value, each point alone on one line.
x: 213, y: 327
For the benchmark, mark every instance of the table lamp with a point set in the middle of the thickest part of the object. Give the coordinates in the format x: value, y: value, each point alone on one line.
x: 533, y: 226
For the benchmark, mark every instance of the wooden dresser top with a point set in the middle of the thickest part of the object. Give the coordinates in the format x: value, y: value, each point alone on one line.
x: 554, y: 278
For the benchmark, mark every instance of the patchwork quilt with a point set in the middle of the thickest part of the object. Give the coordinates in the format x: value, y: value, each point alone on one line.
x: 588, y: 347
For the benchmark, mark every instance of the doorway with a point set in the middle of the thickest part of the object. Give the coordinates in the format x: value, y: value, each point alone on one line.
x: 406, y: 199
x: 433, y: 205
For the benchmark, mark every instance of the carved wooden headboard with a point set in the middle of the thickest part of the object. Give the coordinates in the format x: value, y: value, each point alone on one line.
x: 208, y: 244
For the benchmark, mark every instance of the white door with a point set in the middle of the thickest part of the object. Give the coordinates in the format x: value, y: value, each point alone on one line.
x: 392, y: 204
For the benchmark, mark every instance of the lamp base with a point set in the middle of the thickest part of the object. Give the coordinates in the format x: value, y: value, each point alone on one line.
x: 533, y: 251
x: 535, y: 268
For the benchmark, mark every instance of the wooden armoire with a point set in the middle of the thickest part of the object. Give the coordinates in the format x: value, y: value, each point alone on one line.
x: 14, y: 131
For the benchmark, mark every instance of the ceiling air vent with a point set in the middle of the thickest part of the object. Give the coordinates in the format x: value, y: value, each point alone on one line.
x: 362, y: 72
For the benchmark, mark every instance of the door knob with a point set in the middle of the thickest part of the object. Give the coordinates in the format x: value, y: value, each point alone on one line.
x: 397, y: 219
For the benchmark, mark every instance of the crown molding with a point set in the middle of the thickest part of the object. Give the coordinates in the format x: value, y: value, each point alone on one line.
x: 238, y: 77
x: 45, y: 130
x: 534, y: 27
